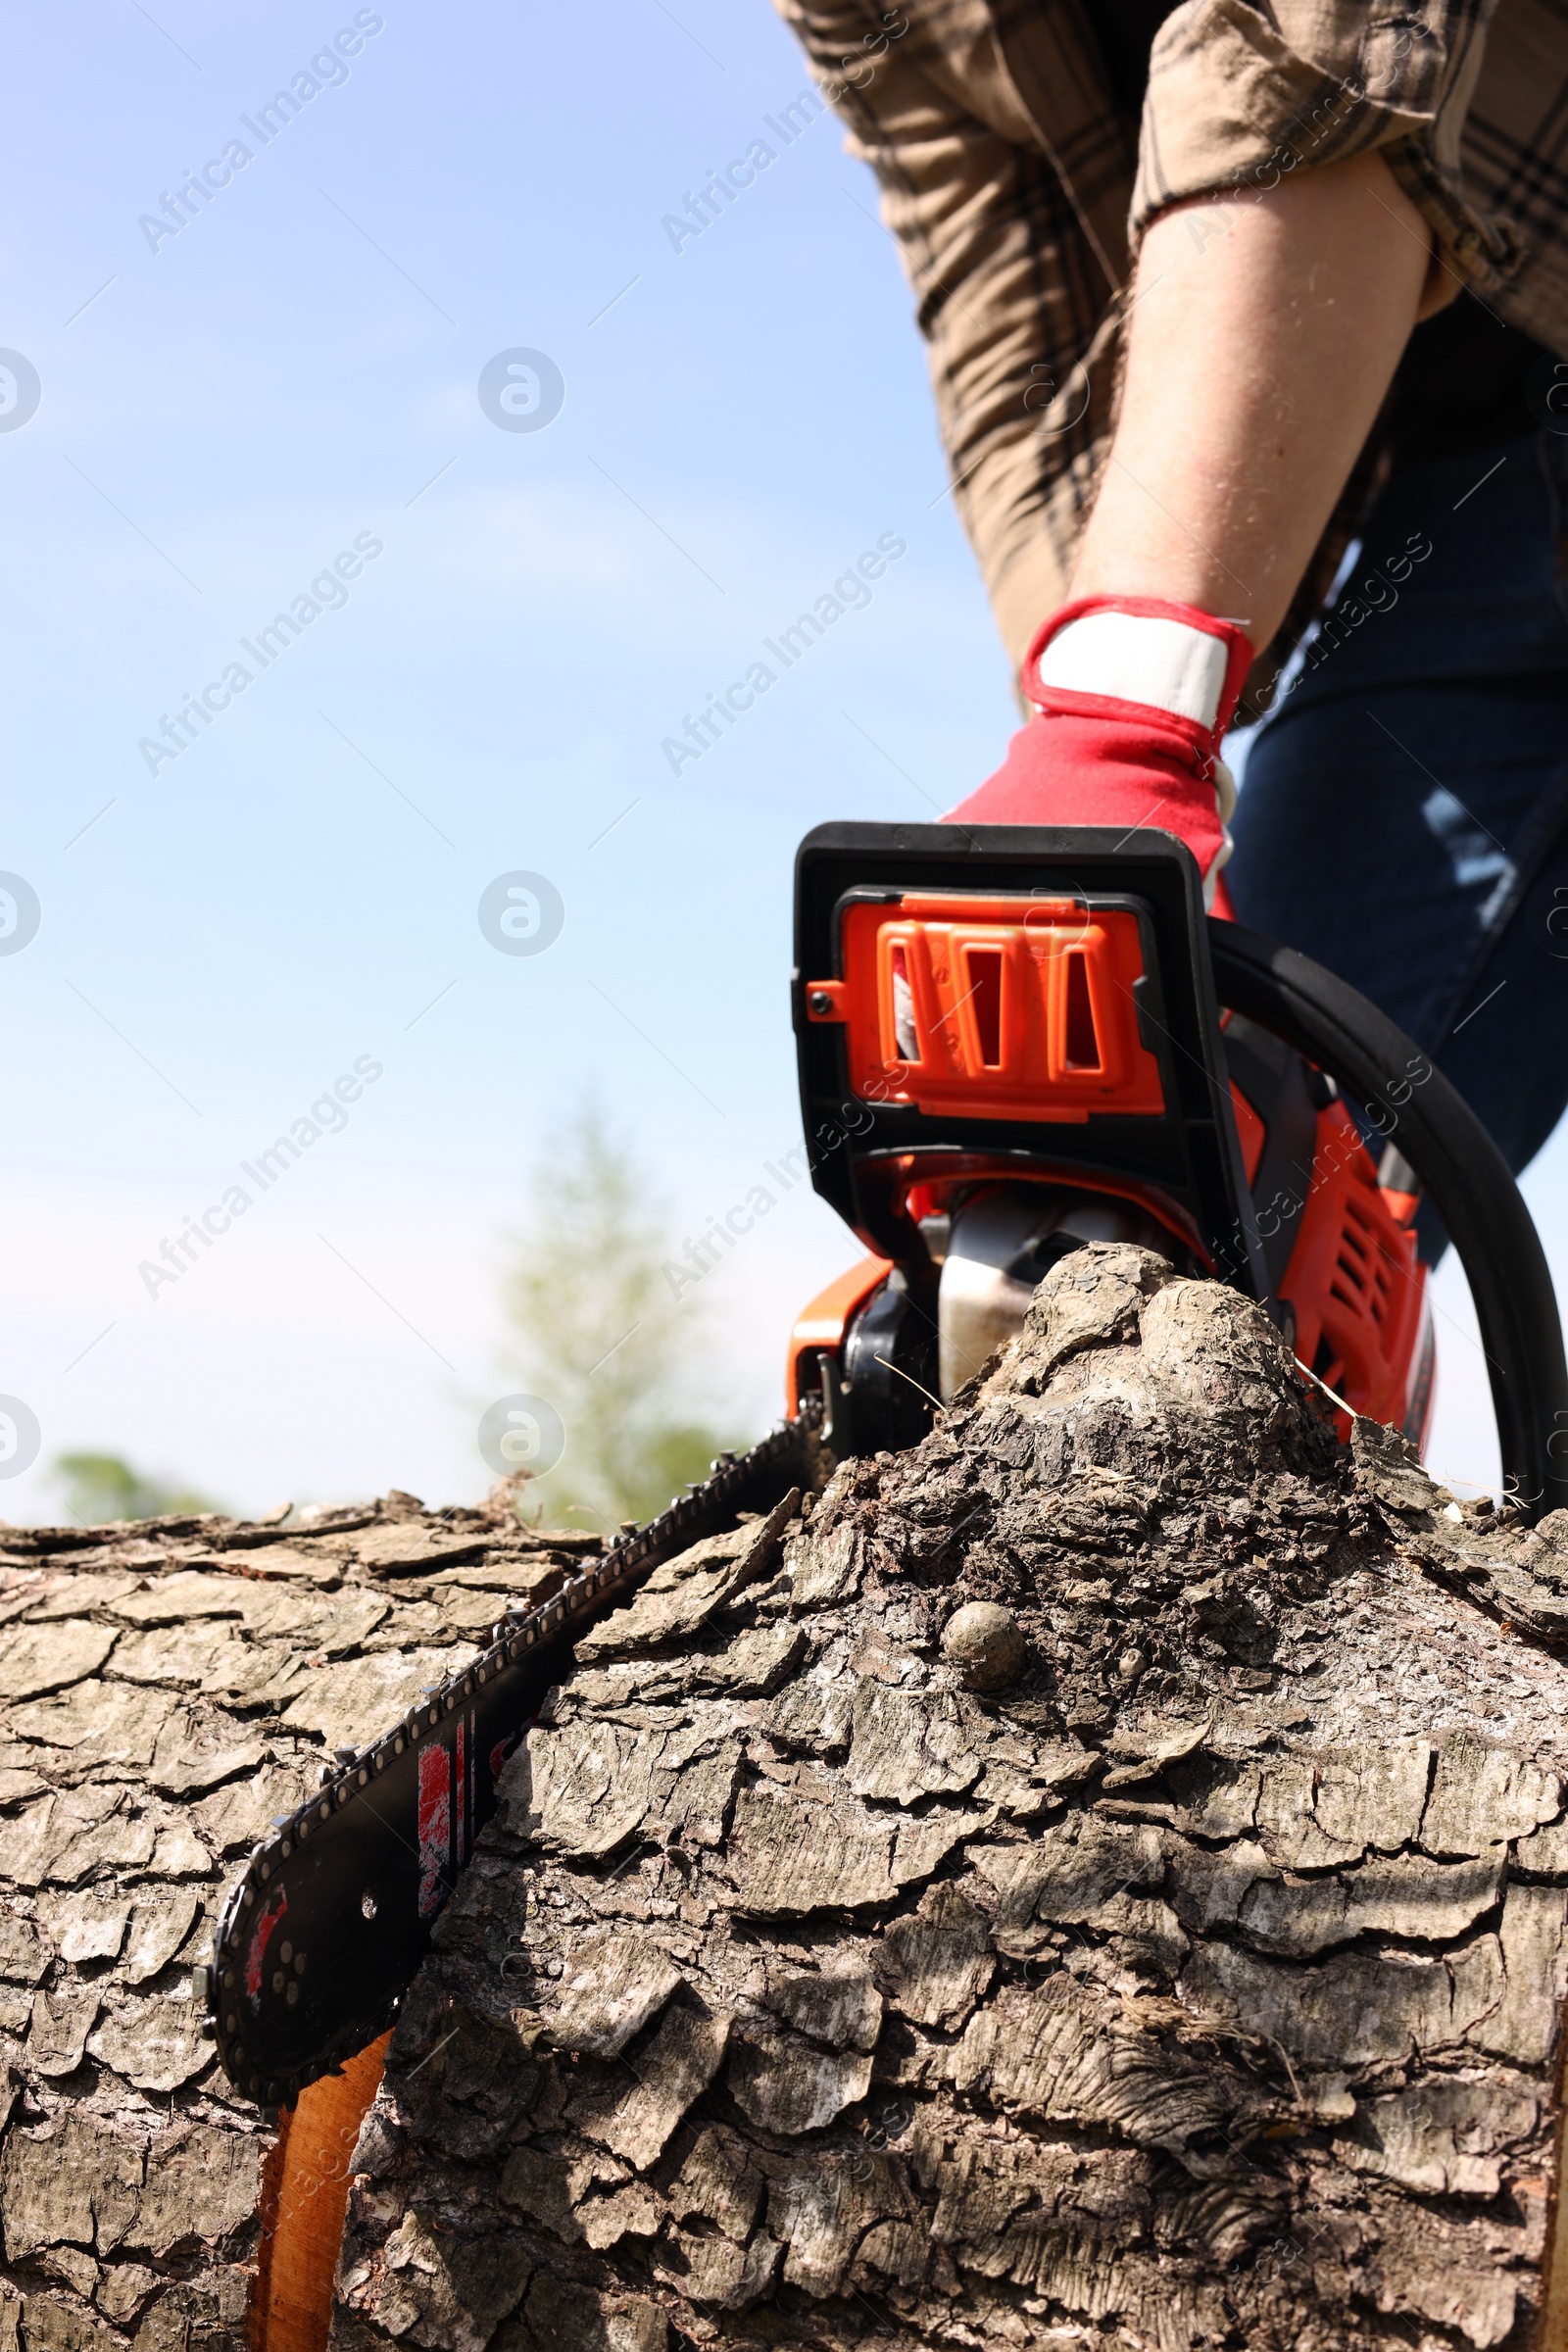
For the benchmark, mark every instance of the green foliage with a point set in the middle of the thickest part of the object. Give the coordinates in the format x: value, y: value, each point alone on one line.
x: 599, y: 1338
x: 100, y: 1487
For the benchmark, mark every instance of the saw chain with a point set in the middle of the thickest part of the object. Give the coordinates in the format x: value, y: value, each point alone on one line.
x: 323, y: 1932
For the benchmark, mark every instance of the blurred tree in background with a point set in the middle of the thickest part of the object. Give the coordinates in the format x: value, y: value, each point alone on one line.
x: 598, y: 1335
x: 100, y: 1487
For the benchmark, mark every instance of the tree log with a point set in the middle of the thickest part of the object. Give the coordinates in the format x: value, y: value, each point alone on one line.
x: 165, y: 1690
x: 1107, y: 1884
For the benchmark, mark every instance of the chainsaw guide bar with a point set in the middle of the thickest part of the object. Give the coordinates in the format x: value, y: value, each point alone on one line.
x: 323, y: 1932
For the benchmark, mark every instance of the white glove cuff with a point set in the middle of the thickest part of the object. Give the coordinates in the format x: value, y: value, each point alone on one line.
x: 1140, y: 658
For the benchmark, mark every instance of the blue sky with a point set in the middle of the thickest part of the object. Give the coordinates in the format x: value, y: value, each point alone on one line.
x: 294, y: 374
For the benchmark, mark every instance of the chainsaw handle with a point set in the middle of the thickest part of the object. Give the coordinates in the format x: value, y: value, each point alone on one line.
x: 1335, y: 1027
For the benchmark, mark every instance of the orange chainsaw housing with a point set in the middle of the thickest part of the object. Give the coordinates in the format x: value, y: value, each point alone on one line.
x: 1018, y: 1008
x: 1023, y: 1010
x: 1357, y: 1286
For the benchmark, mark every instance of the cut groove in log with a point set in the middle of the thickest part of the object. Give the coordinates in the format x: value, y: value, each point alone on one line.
x: 1198, y: 1987
x: 305, y: 2195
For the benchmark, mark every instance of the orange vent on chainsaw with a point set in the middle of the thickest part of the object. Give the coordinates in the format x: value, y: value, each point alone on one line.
x: 992, y: 1007
x: 1355, y: 1278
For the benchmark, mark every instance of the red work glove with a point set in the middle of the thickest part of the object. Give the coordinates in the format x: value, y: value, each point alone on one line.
x: 1134, y: 696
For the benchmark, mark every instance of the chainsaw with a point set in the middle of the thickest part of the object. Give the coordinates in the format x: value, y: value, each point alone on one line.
x: 1011, y: 1040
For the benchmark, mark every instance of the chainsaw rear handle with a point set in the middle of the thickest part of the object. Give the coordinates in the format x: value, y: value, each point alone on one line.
x: 1461, y: 1170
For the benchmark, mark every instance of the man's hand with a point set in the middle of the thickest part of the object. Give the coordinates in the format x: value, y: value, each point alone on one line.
x: 1134, y: 695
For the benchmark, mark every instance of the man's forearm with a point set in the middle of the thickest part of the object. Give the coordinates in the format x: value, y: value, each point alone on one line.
x: 1264, y: 335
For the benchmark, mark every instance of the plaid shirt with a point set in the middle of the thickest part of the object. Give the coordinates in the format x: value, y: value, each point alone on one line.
x: 1016, y: 188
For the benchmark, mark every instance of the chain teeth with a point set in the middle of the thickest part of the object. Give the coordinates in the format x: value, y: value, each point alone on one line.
x: 580, y: 1602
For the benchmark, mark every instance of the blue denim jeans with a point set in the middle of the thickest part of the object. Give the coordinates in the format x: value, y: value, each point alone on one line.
x: 1404, y: 816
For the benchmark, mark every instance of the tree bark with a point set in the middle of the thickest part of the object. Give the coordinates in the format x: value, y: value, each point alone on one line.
x: 1106, y: 1882
x: 165, y: 1690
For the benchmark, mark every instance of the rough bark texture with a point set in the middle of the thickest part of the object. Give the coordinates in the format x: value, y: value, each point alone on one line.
x: 165, y: 1690
x: 1199, y: 1986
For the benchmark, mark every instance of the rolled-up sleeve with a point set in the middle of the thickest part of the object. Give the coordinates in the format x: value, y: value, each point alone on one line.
x: 1241, y: 96
x: 1015, y: 267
